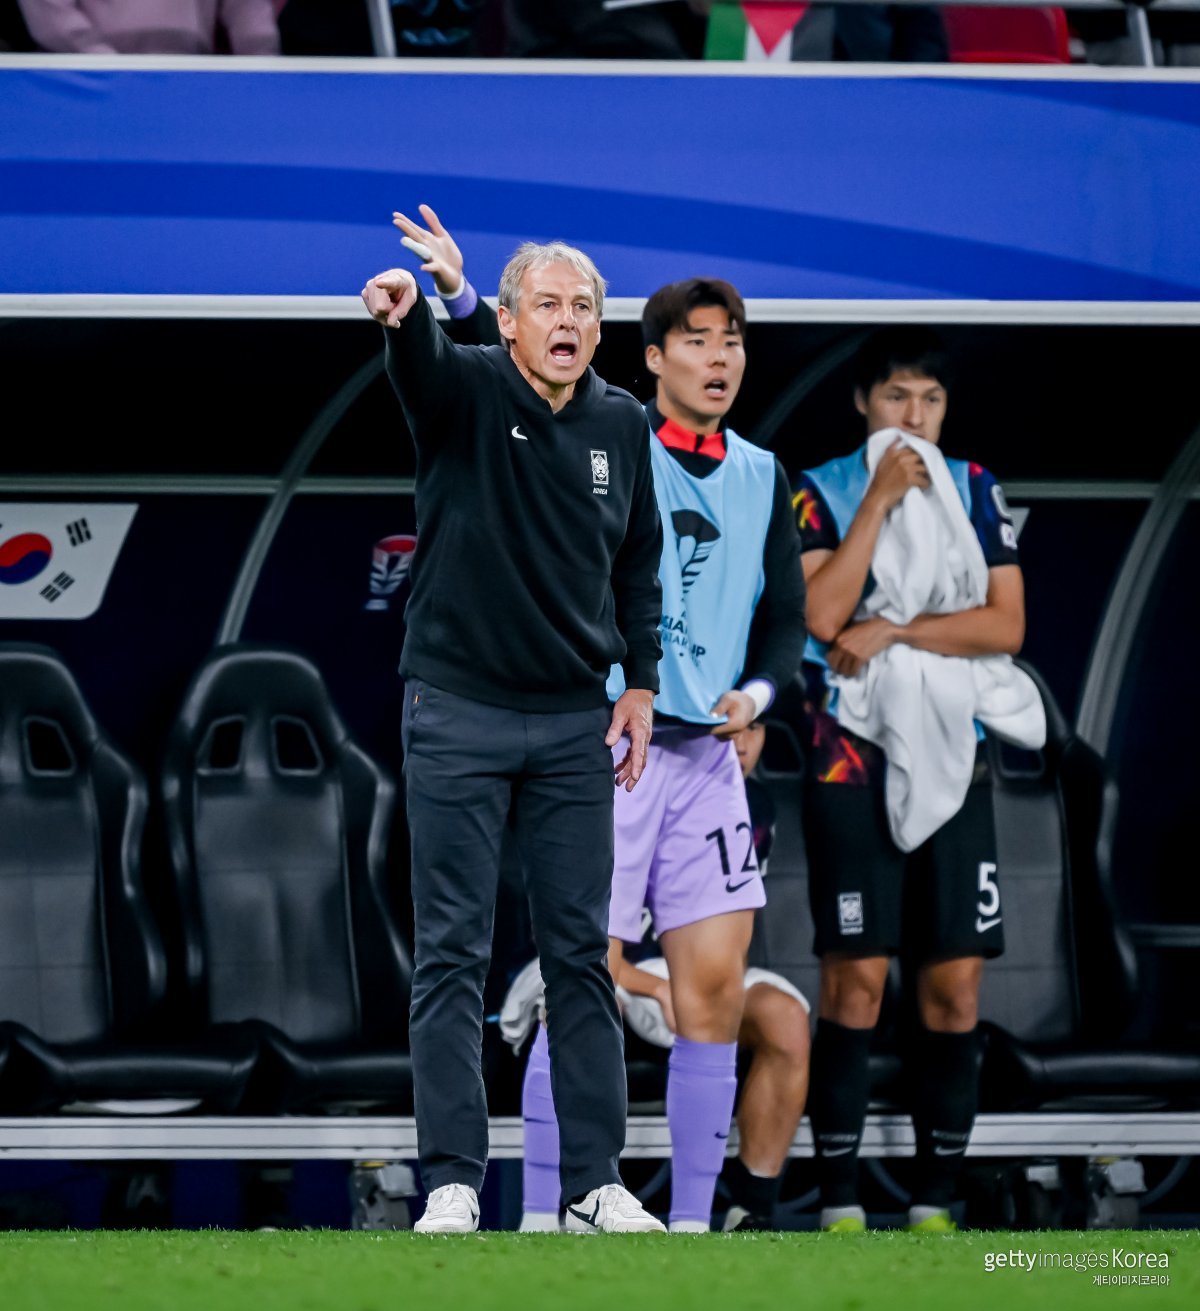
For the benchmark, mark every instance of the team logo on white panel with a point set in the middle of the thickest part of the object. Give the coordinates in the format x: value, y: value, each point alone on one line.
x: 56, y: 560
x: 391, y: 558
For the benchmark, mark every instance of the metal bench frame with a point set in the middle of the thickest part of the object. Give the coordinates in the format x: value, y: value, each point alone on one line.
x: 295, y: 1138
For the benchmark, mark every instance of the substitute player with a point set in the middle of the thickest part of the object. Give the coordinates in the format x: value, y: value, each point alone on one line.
x: 773, y: 1045
x: 938, y: 905
x: 773, y: 1038
x: 732, y: 631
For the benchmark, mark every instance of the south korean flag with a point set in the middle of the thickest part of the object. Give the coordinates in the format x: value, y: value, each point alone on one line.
x: 56, y: 560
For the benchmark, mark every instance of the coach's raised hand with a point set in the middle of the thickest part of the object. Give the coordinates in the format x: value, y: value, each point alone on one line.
x: 436, y: 247
x: 389, y: 296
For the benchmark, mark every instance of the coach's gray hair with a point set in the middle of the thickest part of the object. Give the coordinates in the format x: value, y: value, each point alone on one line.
x: 532, y: 255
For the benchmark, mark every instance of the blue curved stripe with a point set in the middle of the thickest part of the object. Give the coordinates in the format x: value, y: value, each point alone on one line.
x: 949, y: 266
x: 185, y: 182
x: 1167, y: 102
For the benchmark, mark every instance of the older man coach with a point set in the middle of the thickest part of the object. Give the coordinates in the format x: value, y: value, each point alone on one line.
x: 536, y: 570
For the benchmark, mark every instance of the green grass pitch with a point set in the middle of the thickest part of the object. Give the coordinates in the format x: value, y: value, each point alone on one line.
x: 886, y: 1271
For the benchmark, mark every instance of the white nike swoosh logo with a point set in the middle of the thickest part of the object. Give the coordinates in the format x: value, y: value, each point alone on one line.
x: 950, y: 1151
x: 982, y: 926
x: 520, y: 436
x: 836, y: 1151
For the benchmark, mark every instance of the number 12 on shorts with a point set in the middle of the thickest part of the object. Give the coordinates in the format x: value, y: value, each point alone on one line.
x: 749, y: 866
x: 988, y: 906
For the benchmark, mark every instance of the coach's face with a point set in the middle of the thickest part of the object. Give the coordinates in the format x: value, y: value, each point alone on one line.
x: 556, y: 329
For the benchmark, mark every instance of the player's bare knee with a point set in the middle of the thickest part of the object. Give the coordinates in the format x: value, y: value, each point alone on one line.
x: 948, y: 995
x: 727, y: 1000
x: 852, y: 992
x: 949, y: 1011
x: 709, y: 1004
x: 854, y: 1008
x: 780, y: 1024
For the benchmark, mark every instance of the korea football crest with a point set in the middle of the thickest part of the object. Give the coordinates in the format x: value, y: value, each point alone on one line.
x: 850, y: 912
x: 599, y: 473
x: 56, y: 560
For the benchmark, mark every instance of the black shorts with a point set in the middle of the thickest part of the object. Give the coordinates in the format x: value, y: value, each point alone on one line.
x: 869, y: 898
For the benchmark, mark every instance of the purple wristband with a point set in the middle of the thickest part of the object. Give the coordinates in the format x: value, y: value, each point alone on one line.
x: 463, y: 305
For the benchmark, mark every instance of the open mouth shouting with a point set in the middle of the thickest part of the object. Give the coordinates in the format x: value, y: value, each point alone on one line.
x: 564, y: 351
x: 716, y: 389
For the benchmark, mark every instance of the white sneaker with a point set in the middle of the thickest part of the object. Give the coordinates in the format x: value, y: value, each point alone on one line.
x: 453, y: 1209
x: 611, y: 1210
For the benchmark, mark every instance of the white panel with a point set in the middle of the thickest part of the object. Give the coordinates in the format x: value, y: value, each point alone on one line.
x: 56, y: 559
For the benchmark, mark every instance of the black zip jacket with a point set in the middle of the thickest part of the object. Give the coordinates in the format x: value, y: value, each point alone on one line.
x: 538, y: 537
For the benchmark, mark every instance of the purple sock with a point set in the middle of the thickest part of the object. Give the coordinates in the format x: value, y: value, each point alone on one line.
x: 541, y: 1130
x: 701, y: 1086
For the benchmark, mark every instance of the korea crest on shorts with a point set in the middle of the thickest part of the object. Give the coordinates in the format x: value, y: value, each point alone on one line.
x: 850, y: 912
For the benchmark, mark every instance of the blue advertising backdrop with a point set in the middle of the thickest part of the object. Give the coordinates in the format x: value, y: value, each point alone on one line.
x: 282, y: 182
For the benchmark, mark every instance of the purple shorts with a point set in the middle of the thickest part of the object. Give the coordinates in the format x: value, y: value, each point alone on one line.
x: 684, y: 841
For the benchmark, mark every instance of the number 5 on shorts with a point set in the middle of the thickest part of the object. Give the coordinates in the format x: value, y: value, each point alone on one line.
x: 988, y: 906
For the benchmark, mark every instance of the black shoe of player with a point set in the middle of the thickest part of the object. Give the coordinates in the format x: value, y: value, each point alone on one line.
x: 740, y: 1221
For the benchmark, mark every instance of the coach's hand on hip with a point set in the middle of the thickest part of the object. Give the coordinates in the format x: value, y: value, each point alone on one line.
x: 389, y: 296
x: 632, y: 714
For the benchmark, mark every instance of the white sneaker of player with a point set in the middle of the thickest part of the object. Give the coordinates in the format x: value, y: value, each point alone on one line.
x: 611, y: 1210
x: 539, y: 1222
x: 453, y: 1209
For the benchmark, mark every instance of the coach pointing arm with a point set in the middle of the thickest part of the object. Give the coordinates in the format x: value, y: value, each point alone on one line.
x: 425, y: 367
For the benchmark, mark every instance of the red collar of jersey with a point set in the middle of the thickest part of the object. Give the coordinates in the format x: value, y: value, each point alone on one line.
x: 678, y: 437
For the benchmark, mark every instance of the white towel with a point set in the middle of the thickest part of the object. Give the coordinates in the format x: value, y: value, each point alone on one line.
x: 917, y: 706
x: 524, y: 1005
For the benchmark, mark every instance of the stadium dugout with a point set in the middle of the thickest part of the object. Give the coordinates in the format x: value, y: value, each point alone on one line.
x: 203, y: 454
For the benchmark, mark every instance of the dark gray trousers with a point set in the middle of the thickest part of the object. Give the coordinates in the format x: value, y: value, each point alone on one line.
x: 466, y: 765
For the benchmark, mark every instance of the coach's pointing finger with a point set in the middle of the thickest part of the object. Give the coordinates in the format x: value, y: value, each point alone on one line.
x: 389, y: 296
